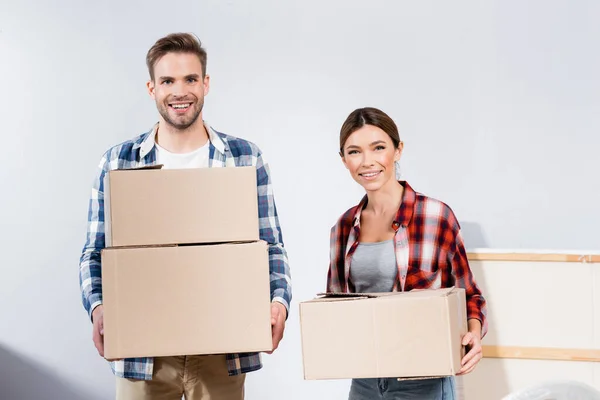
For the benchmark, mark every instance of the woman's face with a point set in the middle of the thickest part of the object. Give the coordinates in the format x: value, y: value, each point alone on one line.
x: 369, y: 155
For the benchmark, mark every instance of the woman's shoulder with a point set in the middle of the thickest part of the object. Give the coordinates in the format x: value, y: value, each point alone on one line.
x: 346, y: 220
x: 431, y: 207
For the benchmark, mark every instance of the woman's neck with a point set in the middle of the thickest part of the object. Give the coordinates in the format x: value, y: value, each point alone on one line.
x: 385, y: 199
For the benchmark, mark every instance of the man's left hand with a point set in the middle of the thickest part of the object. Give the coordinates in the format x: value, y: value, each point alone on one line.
x: 278, y: 316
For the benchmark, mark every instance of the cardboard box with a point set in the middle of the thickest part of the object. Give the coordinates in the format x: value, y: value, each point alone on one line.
x: 185, y: 300
x: 384, y: 335
x: 180, y: 206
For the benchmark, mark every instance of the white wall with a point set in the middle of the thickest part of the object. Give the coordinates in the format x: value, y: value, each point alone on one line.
x: 497, y: 102
x: 555, y: 315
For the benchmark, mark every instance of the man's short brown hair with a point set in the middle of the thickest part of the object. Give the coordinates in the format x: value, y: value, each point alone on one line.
x: 175, y: 43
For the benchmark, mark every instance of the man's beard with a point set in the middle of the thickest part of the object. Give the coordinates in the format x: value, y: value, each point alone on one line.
x: 182, y: 122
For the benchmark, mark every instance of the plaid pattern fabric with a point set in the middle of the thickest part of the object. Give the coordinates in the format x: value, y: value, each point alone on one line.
x: 224, y: 151
x: 429, y: 250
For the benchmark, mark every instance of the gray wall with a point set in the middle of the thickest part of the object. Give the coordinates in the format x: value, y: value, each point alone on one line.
x: 497, y: 102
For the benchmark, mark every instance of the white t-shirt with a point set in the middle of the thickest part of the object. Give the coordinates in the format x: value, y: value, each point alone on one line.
x: 194, y: 159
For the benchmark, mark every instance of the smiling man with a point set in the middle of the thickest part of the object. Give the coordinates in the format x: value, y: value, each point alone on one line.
x: 182, y: 139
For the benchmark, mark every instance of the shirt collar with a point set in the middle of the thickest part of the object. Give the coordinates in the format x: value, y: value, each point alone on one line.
x: 405, y: 212
x: 148, y: 143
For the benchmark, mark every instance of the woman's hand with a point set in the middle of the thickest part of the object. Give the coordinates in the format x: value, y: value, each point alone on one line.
x: 473, y: 342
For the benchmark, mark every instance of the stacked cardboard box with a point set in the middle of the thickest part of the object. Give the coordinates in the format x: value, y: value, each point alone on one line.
x: 405, y: 335
x: 184, y: 271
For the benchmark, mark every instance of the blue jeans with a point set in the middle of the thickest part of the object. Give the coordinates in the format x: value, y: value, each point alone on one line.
x: 393, y: 389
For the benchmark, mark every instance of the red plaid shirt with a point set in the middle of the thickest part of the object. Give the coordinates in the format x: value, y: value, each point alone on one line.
x: 429, y: 250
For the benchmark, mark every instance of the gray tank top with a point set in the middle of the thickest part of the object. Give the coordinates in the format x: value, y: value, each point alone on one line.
x: 373, y: 267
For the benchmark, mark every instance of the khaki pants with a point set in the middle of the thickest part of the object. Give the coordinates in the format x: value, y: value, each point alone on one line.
x: 196, y: 377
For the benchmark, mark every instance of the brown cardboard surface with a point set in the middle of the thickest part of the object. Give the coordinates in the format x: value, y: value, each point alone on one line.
x: 185, y: 300
x: 402, y: 335
x: 180, y: 206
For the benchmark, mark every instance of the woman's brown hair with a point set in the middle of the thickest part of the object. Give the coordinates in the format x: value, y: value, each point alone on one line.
x: 368, y: 116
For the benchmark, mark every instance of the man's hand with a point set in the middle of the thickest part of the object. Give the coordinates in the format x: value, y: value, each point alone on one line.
x: 98, y: 329
x: 473, y: 342
x: 278, y: 316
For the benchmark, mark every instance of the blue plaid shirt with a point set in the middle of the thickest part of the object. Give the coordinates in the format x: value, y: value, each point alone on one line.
x: 224, y: 151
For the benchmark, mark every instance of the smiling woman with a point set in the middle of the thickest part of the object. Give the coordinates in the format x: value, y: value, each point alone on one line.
x: 370, y: 146
x: 396, y: 239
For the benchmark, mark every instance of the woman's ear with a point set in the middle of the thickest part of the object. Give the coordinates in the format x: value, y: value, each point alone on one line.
x: 398, y: 152
x: 343, y: 159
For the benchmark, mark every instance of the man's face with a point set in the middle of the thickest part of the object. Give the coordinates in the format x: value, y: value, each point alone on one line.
x: 179, y: 89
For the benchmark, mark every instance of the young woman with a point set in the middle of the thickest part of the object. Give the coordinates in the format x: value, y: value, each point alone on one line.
x: 396, y: 239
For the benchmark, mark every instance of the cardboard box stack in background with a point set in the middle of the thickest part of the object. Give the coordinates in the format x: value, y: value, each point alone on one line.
x: 184, y: 271
x: 383, y: 335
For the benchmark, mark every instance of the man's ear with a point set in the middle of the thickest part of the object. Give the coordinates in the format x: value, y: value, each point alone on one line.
x: 150, y: 87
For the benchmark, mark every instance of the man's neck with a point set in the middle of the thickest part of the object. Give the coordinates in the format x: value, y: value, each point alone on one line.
x: 181, y: 141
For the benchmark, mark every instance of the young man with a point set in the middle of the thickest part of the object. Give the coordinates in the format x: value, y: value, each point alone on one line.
x: 181, y: 139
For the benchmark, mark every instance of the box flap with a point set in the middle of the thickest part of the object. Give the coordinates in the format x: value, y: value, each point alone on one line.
x: 331, y: 296
x: 157, y: 166
x: 430, y: 292
x: 417, y: 293
x: 340, y: 295
x: 369, y: 295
